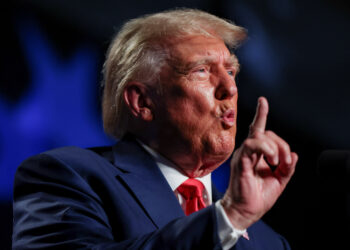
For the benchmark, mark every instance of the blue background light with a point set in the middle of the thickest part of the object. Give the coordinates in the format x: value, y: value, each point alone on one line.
x: 297, y: 55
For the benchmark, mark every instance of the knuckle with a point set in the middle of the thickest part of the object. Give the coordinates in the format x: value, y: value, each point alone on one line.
x: 248, y: 143
x: 280, y: 142
x: 286, y: 147
x: 270, y: 133
x: 267, y: 147
x: 259, y: 136
x: 283, y: 145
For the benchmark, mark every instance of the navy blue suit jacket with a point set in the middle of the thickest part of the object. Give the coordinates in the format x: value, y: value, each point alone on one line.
x: 111, y: 198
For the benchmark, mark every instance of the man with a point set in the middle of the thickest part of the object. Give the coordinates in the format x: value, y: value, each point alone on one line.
x: 170, y: 98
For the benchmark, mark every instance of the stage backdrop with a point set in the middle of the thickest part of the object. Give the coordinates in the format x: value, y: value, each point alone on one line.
x: 296, y: 55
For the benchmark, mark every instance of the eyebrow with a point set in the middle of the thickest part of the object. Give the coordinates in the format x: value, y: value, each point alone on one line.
x: 232, y: 61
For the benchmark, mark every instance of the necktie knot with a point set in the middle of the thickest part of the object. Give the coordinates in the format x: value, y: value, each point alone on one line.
x: 192, y: 191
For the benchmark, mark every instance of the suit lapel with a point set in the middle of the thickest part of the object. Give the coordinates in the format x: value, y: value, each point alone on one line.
x: 146, y: 182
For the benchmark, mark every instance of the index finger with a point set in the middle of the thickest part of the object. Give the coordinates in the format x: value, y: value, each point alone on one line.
x: 259, y: 122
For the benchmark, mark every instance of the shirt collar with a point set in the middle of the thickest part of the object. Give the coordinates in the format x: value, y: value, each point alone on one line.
x: 172, y: 173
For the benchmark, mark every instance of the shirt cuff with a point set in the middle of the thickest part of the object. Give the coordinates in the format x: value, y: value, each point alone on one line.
x: 228, y: 235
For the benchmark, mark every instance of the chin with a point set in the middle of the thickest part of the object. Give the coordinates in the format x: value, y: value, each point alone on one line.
x: 208, y: 165
x: 221, y: 148
x: 222, y: 145
x: 218, y: 150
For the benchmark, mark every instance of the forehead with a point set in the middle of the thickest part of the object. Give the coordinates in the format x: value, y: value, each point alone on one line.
x: 195, y: 48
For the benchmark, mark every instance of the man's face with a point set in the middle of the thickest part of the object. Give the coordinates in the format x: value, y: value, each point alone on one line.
x: 197, y: 110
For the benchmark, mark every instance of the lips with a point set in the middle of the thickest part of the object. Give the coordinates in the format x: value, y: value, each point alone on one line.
x: 228, y: 118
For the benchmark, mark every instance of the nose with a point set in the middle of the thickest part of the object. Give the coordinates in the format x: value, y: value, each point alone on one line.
x: 226, y: 88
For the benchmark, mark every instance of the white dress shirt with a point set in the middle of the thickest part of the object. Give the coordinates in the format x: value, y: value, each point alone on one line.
x: 228, y: 235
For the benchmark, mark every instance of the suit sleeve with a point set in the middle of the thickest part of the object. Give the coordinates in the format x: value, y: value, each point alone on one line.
x: 55, y: 208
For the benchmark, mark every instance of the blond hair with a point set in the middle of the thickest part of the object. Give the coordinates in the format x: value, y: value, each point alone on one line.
x: 138, y: 54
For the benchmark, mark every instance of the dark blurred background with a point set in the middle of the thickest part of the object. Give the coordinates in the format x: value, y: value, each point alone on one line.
x: 297, y: 55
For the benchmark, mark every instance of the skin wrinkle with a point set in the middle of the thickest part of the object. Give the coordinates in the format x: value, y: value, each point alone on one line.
x: 185, y: 69
x: 192, y: 122
x: 190, y: 108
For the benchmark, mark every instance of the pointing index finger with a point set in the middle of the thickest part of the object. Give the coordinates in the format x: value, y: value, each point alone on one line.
x: 259, y: 122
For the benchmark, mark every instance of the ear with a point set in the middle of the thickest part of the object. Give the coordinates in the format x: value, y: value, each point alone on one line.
x: 138, y: 100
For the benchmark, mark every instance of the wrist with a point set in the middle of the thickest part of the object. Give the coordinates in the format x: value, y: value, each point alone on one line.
x: 238, y: 219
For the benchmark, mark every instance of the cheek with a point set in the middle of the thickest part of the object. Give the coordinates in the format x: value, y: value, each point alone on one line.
x: 203, y: 102
x: 192, y: 100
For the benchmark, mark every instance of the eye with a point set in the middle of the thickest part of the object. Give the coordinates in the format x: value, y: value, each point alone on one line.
x: 199, y: 74
x: 231, y: 72
x: 200, y: 70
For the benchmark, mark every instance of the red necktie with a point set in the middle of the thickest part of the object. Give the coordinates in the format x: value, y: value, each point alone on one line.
x: 192, y: 191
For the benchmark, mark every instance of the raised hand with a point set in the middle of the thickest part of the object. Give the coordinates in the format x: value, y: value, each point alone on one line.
x: 260, y: 170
